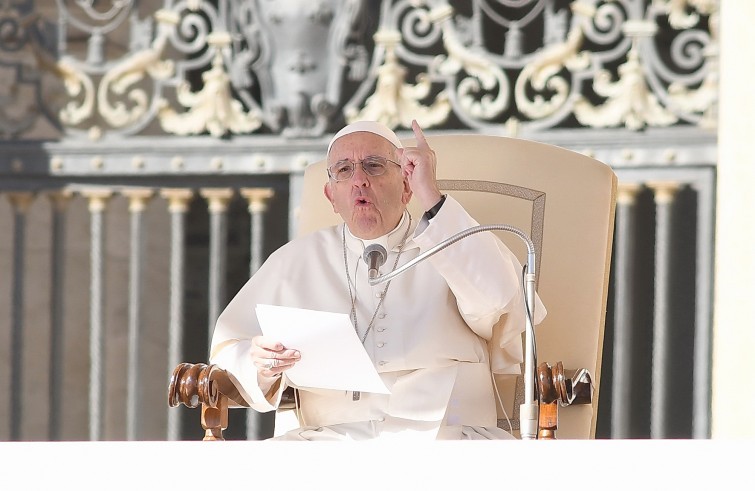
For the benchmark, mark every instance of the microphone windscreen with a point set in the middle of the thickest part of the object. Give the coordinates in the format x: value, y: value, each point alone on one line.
x: 375, y: 250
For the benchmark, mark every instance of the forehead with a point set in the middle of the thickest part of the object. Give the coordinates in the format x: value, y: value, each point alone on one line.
x: 359, y: 145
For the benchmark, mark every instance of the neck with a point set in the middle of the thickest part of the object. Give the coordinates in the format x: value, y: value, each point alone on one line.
x: 391, y: 240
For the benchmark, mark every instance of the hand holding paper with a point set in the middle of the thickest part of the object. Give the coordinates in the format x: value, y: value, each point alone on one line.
x: 332, y: 357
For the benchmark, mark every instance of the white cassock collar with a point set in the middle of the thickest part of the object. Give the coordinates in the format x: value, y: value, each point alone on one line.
x: 391, y: 241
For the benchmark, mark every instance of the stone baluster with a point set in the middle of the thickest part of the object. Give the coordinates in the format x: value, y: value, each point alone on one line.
x: 257, y: 424
x: 217, y: 199
x: 660, y: 403
x: 98, y: 199
x: 178, y: 205
x: 20, y: 201
x: 258, y: 200
x: 137, y: 202
x: 59, y: 202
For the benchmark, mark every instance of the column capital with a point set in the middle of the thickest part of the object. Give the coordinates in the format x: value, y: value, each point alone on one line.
x: 137, y: 198
x: 60, y: 198
x: 178, y: 199
x: 218, y: 198
x: 98, y: 198
x: 257, y: 198
x: 626, y: 193
x: 664, y: 190
x: 21, y: 200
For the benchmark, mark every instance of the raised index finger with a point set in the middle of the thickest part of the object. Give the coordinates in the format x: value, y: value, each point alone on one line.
x: 418, y: 135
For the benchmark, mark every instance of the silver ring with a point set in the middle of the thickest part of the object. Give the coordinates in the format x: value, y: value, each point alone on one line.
x: 269, y: 364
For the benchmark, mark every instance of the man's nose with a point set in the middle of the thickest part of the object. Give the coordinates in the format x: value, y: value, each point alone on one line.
x: 360, y: 177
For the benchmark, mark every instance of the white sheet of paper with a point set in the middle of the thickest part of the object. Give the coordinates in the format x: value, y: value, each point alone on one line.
x: 332, y: 357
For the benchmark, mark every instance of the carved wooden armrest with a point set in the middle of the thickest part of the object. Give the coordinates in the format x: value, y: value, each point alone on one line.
x: 556, y: 388
x: 216, y: 390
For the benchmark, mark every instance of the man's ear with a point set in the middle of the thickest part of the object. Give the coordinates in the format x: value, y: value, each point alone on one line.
x: 406, y: 194
x: 328, y: 194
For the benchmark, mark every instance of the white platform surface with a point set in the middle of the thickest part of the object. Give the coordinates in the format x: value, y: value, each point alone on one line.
x: 279, y: 466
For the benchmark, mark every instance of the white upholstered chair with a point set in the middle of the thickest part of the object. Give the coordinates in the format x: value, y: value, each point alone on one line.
x: 565, y: 202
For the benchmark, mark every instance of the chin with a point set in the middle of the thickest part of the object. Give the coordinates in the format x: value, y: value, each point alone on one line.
x: 365, y: 229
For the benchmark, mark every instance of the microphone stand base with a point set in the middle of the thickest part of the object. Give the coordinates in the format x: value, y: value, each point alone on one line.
x: 528, y: 421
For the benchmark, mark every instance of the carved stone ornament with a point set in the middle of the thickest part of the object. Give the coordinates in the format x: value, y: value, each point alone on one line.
x: 299, y: 68
x: 212, y: 108
x: 630, y: 102
x: 395, y: 103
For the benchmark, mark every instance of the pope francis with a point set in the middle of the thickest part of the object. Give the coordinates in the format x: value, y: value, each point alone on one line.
x: 436, y: 334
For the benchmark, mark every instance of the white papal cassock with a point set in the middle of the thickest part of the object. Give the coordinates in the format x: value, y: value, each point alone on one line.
x: 440, y: 331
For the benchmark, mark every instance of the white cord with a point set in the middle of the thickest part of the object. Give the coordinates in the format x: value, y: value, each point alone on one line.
x: 498, y: 395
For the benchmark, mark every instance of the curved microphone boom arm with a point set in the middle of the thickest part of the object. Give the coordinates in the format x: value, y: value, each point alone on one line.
x: 528, y: 414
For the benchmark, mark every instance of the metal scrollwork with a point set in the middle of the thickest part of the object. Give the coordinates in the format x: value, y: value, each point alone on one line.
x: 543, y: 72
x: 299, y: 68
x: 213, y: 108
x: 394, y: 102
x: 123, y: 78
x: 24, y: 41
x: 599, y: 63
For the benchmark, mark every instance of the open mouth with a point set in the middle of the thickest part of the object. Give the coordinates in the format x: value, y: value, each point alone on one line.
x: 362, y: 201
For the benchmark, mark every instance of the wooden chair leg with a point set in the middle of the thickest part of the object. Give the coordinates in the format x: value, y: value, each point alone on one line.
x: 547, y: 421
x: 215, y: 420
x: 557, y: 389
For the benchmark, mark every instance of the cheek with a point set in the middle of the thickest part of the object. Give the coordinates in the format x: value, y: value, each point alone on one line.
x: 392, y: 198
x: 344, y: 202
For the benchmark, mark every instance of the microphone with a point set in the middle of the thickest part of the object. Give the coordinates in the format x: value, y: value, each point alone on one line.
x: 374, y: 255
x: 529, y: 410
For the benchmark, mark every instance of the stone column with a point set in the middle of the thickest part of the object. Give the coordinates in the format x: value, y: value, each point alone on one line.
x: 59, y: 202
x: 257, y: 199
x: 621, y: 397
x: 217, y: 200
x: 660, y: 403
x: 20, y: 201
x: 178, y: 205
x: 257, y: 424
x: 137, y: 202
x: 98, y: 199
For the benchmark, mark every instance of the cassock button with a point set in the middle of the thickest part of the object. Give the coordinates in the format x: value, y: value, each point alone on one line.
x: 382, y: 363
x: 382, y: 315
x: 379, y: 295
x: 380, y: 329
x: 380, y: 345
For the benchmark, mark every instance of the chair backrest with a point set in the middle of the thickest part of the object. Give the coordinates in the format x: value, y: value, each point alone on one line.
x: 565, y: 202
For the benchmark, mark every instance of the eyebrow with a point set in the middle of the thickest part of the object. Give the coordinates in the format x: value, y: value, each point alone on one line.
x: 363, y: 158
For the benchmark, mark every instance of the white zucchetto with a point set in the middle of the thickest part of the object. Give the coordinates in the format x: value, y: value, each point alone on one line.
x: 369, y: 127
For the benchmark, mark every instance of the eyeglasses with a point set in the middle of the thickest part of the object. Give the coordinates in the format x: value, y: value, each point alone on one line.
x: 373, y: 165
